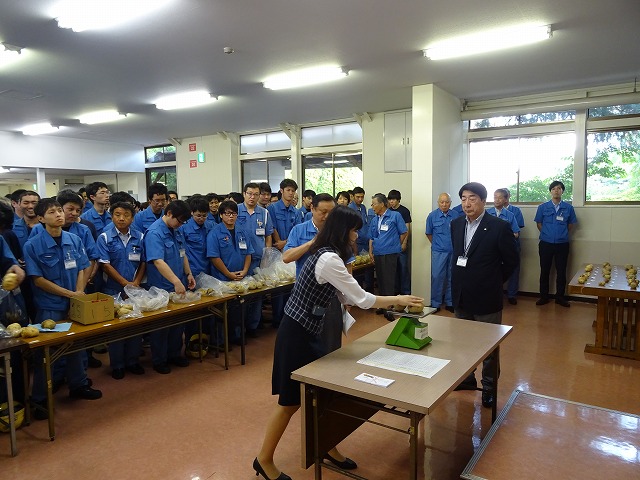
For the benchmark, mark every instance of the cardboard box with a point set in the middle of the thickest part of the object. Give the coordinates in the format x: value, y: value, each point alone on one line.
x: 91, y: 308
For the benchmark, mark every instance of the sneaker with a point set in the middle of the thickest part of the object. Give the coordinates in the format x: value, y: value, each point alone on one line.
x: 162, y: 368
x: 136, y: 369
x: 179, y: 361
x: 117, y: 373
x: 85, y: 392
x: 542, y: 301
x: 512, y: 301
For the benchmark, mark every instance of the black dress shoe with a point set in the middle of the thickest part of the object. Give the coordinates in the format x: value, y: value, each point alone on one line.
x: 179, y: 361
x: 86, y: 393
x: 512, y: 301
x: 40, y: 410
x: 117, y: 373
x: 465, y: 385
x: 251, y: 333
x: 136, y: 369
x: 348, y: 464
x: 542, y: 301
x: 487, y: 398
x: 260, y: 471
x: 94, y: 362
x: 162, y: 368
x: 449, y: 308
x: 563, y: 302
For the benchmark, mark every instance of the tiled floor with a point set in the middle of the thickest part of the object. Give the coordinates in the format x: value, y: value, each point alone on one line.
x: 207, y: 423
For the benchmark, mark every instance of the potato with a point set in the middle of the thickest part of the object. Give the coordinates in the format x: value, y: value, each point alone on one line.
x: 48, y: 324
x: 30, y: 331
x: 398, y: 308
x: 419, y: 309
x: 122, y: 311
x: 10, y: 281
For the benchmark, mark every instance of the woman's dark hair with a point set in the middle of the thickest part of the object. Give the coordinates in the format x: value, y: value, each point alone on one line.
x: 335, y: 233
x: 343, y: 194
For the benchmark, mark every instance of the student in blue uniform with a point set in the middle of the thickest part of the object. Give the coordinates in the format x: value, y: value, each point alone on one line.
x: 307, y: 198
x: 499, y: 210
x: 99, y: 215
x: 513, y: 284
x: 366, y: 279
x: 438, y: 231
x: 57, y: 264
x: 257, y: 223
x: 195, y: 236
x: 285, y: 216
x: 122, y: 258
x: 168, y: 268
x: 157, y: 196
x: 387, y: 232
x: 229, y: 248
x: 213, y: 216
x: 555, y: 220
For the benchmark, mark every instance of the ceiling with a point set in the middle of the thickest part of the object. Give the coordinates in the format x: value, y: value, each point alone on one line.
x: 180, y: 47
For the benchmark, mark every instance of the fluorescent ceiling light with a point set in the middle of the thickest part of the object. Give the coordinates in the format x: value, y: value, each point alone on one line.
x: 185, y: 100
x: 101, y: 116
x: 305, y: 77
x: 80, y: 15
x: 335, y: 162
x: 38, y: 129
x: 488, y: 41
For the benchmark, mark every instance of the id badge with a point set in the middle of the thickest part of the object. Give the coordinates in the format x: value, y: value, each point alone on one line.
x: 134, y: 257
x: 260, y: 231
x: 242, y: 244
x: 384, y: 228
x: 182, y: 253
x: 70, y: 263
x: 462, y: 262
x: 560, y: 218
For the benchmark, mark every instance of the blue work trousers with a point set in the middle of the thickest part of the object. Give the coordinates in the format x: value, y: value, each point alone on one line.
x: 441, y: 279
x: 166, y: 344
x: 513, y: 284
x: 403, y: 275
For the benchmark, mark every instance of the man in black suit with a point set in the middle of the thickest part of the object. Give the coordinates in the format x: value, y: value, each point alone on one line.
x: 484, y: 256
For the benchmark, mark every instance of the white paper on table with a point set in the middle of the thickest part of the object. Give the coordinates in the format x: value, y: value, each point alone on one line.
x: 347, y: 321
x: 403, y: 362
x: 374, y: 380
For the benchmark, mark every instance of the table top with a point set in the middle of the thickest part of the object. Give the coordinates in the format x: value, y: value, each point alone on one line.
x: 465, y: 343
x: 78, y: 330
x: 616, y: 287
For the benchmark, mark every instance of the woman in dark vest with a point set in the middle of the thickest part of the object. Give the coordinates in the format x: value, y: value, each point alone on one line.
x: 299, y: 343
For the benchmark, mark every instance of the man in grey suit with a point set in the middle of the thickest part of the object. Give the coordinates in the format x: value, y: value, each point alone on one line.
x: 484, y: 256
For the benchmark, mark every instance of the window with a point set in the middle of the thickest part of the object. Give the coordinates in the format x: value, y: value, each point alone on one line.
x: 160, y: 153
x: 272, y: 171
x: 615, y: 110
x: 340, y: 134
x: 264, y: 142
x: 525, y: 119
x: 613, y: 166
x: 332, y: 172
x: 165, y: 175
x: 525, y: 165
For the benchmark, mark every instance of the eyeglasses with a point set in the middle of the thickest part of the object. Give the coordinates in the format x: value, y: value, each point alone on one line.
x: 230, y: 214
x: 159, y: 200
x: 252, y: 195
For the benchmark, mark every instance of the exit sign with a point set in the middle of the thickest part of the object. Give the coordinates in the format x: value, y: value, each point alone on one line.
x: 193, y: 163
x: 201, y: 157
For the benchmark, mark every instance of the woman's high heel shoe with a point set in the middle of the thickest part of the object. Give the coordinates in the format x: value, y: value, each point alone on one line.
x: 348, y: 464
x: 260, y: 471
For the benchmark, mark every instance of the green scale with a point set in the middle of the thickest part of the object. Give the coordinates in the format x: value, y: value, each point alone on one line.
x: 409, y: 333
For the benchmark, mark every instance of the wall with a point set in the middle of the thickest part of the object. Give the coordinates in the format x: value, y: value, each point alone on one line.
x: 67, y: 153
x: 220, y: 171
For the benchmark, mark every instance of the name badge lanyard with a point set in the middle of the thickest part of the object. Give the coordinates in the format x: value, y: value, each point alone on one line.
x: 462, y: 260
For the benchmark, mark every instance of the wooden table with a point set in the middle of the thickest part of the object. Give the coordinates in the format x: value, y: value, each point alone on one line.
x: 334, y: 404
x: 618, y: 313
x: 537, y: 436
x: 80, y: 337
x: 8, y: 345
